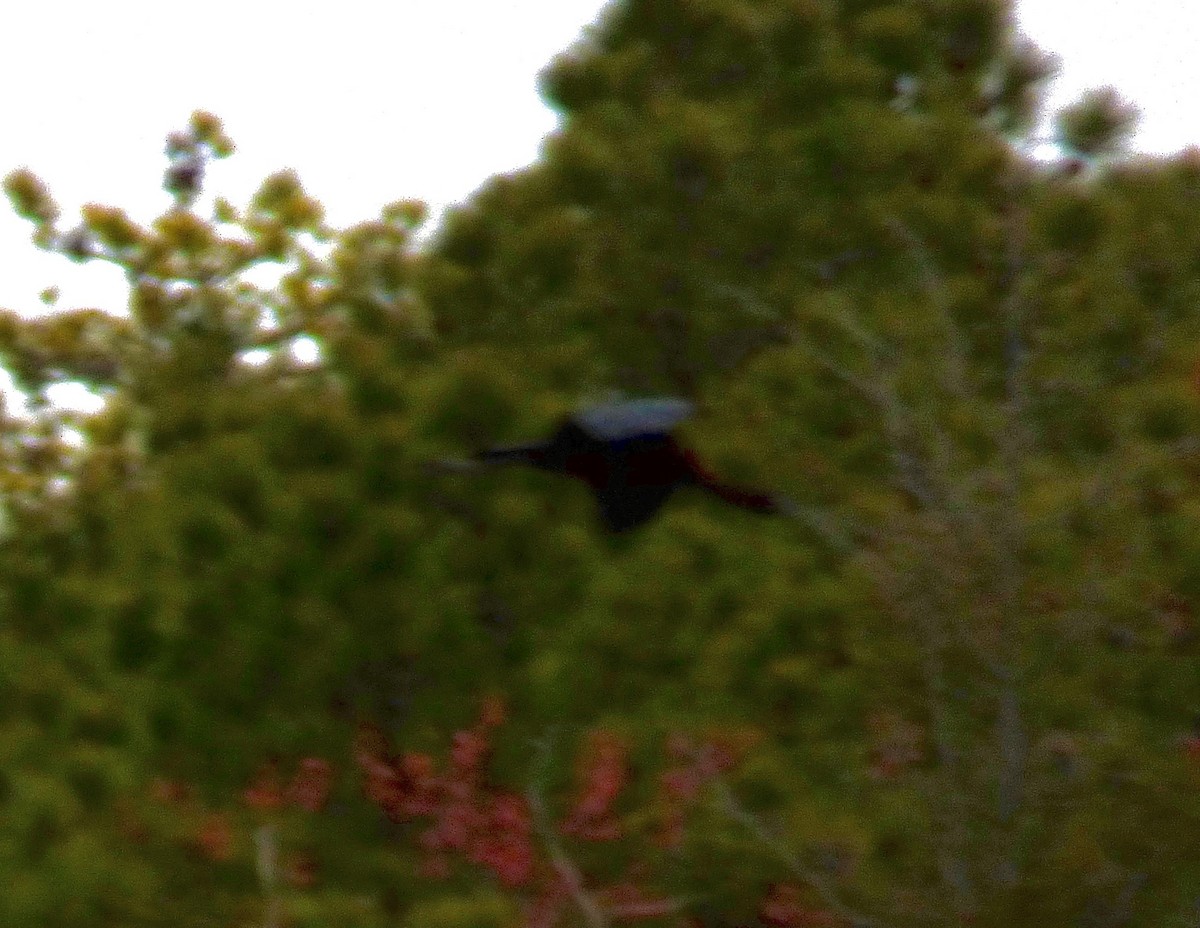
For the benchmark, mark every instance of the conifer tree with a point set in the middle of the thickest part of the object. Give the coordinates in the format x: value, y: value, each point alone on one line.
x: 250, y: 640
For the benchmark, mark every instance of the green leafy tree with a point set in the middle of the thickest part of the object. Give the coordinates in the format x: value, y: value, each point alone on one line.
x: 247, y: 632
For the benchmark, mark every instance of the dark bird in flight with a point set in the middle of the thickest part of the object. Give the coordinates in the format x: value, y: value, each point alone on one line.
x: 626, y: 453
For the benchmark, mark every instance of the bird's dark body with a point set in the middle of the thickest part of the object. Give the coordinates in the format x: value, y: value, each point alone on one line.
x: 631, y: 477
x: 626, y: 454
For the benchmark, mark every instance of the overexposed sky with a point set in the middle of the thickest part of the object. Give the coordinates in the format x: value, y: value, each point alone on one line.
x: 372, y: 102
x: 1148, y: 49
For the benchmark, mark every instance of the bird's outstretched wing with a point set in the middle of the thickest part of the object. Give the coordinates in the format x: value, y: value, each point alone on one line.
x: 634, y: 418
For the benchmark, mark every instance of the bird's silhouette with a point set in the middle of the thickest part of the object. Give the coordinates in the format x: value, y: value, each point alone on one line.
x: 626, y: 453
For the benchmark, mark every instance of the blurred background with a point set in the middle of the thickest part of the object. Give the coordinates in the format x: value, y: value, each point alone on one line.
x: 272, y: 653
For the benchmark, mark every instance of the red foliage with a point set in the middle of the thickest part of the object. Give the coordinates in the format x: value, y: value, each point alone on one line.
x: 463, y: 817
x: 265, y: 792
x: 405, y: 787
x: 493, y: 713
x: 214, y: 838
x: 505, y: 843
x: 435, y: 866
x: 468, y: 751
x: 547, y: 906
x: 602, y: 774
x: 628, y: 902
x: 311, y: 784
x: 784, y: 908
x: 466, y: 818
x: 489, y: 828
x: 170, y: 792
x: 423, y: 789
x: 308, y: 789
x: 681, y: 784
x: 369, y: 741
x: 301, y: 870
x: 383, y: 785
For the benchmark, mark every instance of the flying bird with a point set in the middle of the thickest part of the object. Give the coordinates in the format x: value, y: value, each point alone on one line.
x: 626, y: 453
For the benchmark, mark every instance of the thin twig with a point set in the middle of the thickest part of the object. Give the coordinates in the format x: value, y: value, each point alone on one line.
x: 563, y: 865
x: 266, y: 845
x: 792, y: 861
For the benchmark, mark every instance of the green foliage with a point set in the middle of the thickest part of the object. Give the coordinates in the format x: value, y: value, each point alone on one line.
x: 1015, y: 95
x: 235, y: 598
x: 490, y: 910
x: 30, y: 198
x: 1099, y: 123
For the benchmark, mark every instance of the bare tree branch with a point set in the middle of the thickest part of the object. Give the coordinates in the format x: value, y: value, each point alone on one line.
x: 563, y: 865
x: 266, y: 845
x: 739, y: 813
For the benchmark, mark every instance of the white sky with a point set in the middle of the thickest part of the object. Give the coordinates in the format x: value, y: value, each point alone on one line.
x: 373, y: 101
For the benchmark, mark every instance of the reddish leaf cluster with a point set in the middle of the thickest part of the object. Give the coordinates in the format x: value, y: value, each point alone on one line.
x: 214, y: 838
x: 490, y: 828
x: 208, y: 832
x: 628, y: 902
x: 471, y: 820
x: 301, y: 870
x: 785, y: 907
x: 311, y: 784
x: 170, y: 792
x: 624, y: 901
x: 308, y: 789
x: 265, y: 792
x: 403, y: 787
x: 693, y: 767
x: 468, y: 819
x: 602, y: 774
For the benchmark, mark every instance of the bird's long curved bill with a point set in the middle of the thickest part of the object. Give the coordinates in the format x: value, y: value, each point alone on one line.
x: 510, y: 454
x: 452, y: 465
x: 507, y: 455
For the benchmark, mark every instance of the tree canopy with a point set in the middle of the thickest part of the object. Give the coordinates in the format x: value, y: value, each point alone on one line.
x: 260, y: 664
